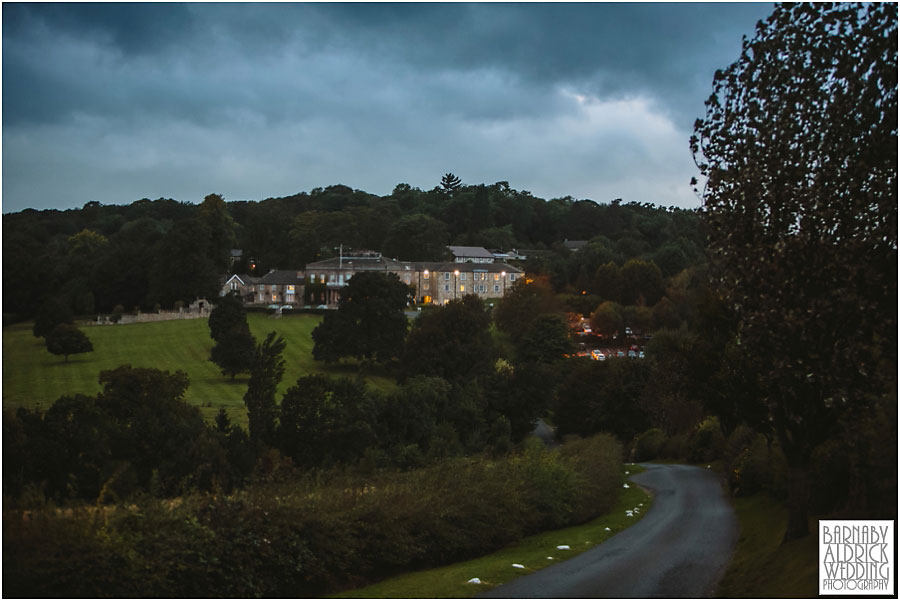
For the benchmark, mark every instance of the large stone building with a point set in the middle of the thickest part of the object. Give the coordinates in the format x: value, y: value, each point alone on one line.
x: 434, y: 282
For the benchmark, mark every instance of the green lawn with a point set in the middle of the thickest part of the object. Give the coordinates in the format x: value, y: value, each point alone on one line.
x: 534, y: 553
x: 32, y: 377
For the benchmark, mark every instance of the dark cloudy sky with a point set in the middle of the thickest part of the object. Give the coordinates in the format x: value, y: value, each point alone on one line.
x: 117, y: 102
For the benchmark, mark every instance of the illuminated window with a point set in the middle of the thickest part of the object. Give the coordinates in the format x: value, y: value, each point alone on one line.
x: 312, y: 277
x: 290, y: 288
x: 406, y: 279
x: 462, y: 287
x: 426, y: 275
x: 496, y: 277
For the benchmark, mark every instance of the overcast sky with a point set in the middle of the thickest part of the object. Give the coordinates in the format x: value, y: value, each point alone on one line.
x: 115, y: 103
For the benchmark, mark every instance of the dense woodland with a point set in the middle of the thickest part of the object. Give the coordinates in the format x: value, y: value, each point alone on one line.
x: 152, y: 254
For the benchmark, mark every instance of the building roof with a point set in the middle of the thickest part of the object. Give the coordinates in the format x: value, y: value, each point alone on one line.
x: 243, y: 278
x: 281, y: 277
x: 575, y: 244
x: 467, y: 267
x: 373, y: 262
x: 476, y: 252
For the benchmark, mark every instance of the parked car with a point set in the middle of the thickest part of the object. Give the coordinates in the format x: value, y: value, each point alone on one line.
x: 632, y: 355
x: 598, y: 356
x: 620, y: 354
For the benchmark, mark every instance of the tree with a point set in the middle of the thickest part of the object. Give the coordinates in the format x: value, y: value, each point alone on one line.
x: 607, y: 320
x: 417, y: 238
x: 228, y: 313
x: 51, y: 314
x: 369, y: 322
x: 641, y: 283
x: 326, y: 421
x: 450, y: 183
x: 265, y: 375
x: 234, y: 351
x: 546, y: 341
x: 453, y: 341
x: 799, y: 150
x: 523, y: 304
x: 213, y: 213
x: 66, y: 339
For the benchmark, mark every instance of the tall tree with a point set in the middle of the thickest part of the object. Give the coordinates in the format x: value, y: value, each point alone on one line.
x: 453, y: 341
x: 450, y: 183
x: 213, y: 213
x: 799, y: 150
x: 265, y: 375
x: 228, y: 313
x: 417, y: 238
x: 369, y: 322
x: 234, y: 351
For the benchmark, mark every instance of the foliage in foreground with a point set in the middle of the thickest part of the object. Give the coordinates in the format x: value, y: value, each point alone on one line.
x: 295, y: 536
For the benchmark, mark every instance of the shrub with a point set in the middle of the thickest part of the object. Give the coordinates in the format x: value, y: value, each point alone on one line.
x: 706, y: 442
x: 309, y: 535
x: 648, y: 445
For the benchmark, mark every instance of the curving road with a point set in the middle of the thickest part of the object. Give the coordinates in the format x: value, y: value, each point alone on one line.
x: 679, y: 549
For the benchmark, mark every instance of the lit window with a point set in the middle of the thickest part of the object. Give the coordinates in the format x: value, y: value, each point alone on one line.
x: 290, y: 288
x: 426, y: 275
x: 496, y: 277
x: 312, y: 277
x: 462, y: 287
x: 406, y: 279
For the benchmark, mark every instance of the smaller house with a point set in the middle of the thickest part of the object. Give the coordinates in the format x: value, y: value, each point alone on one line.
x: 471, y: 254
x: 575, y: 245
x: 242, y: 285
x: 284, y: 286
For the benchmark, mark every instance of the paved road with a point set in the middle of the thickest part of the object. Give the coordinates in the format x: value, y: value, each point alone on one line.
x: 679, y: 549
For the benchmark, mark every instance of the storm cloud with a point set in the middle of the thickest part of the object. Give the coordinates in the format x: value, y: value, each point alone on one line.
x: 116, y: 102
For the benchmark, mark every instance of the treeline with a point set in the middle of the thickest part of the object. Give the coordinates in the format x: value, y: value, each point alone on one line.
x: 152, y: 254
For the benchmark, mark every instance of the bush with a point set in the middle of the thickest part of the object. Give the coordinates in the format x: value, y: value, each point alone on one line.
x: 648, y: 445
x: 309, y: 535
x: 707, y: 442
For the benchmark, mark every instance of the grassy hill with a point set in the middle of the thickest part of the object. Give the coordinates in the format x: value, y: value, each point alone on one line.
x: 32, y: 377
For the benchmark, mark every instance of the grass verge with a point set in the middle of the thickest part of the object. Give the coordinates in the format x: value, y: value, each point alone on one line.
x: 761, y: 566
x: 533, y: 552
x: 32, y: 377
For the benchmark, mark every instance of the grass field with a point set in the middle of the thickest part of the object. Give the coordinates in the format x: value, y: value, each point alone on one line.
x: 534, y: 553
x: 32, y: 377
x: 763, y: 567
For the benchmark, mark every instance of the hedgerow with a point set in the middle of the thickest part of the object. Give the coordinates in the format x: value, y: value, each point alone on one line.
x: 308, y: 535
